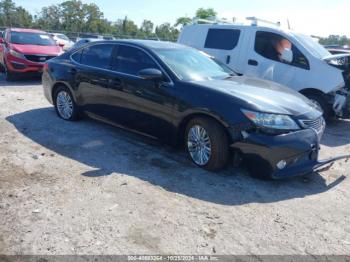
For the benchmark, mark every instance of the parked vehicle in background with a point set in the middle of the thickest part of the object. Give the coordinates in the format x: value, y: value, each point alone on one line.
x: 62, y: 40
x: 182, y: 96
x: 336, y: 50
x: 283, y: 56
x: 25, y: 51
x: 84, y: 41
x: 109, y: 37
x: 89, y: 36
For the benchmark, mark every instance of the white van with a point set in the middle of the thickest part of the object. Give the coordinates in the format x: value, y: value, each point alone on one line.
x: 280, y: 55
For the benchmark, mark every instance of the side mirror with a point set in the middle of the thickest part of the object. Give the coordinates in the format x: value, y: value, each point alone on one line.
x: 151, y: 74
x: 61, y: 44
x: 287, y: 55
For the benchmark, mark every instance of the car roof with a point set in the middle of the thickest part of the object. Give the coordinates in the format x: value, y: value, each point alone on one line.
x: 243, y: 27
x: 26, y: 30
x: 151, y: 44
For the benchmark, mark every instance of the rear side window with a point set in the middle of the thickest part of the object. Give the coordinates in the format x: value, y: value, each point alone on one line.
x: 97, y: 55
x: 131, y: 60
x: 224, y: 39
x: 270, y: 46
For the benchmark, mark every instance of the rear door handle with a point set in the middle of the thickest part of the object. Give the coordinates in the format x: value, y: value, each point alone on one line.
x: 252, y: 62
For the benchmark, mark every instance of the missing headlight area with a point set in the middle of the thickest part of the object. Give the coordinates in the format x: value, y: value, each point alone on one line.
x: 341, y: 105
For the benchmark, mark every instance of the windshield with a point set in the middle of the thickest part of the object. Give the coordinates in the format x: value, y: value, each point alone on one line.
x: 192, y: 65
x: 312, y: 46
x: 25, y: 38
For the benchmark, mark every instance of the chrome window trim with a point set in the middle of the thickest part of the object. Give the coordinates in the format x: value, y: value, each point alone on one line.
x: 114, y: 71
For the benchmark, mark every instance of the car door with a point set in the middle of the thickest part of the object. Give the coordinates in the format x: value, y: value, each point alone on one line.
x: 143, y: 105
x: 92, y: 75
x: 264, y: 62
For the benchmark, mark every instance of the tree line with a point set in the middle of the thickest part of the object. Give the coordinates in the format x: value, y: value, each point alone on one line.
x: 74, y: 16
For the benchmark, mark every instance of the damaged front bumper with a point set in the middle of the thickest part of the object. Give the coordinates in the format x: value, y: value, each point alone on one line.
x: 341, y: 103
x: 282, y: 156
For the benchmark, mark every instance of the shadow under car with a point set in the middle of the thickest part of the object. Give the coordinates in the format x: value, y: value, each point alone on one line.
x: 109, y: 150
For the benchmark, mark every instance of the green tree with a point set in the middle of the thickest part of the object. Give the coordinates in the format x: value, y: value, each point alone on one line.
x: 205, y: 13
x: 12, y: 15
x: 129, y: 28
x: 335, y: 40
x: 93, y: 18
x: 72, y: 15
x: 182, y: 21
x: 22, y: 17
x: 167, y: 32
x: 147, y: 27
x: 49, y: 18
x: 7, y: 12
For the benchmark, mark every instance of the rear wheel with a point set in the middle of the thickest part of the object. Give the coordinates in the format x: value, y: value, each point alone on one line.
x: 207, y: 143
x: 321, y: 103
x: 65, y: 106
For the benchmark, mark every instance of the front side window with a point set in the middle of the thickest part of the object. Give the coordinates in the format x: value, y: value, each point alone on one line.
x: 223, y: 39
x: 191, y: 65
x: 97, y: 55
x: 131, y: 60
x: 26, y: 38
x: 271, y: 46
x: 77, y: 56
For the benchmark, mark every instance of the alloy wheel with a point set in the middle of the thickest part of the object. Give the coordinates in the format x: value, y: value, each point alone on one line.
x: 64, y: 104
x: 199, y: 145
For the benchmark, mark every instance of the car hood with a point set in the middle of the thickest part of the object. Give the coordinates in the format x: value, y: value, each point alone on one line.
x: 37, y: 49
x: 264, y: 96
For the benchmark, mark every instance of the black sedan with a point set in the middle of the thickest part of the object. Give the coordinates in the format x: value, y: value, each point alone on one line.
x: 182, y: 96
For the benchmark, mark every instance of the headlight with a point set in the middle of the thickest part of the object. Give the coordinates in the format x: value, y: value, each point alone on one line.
x: 16, y: 54
x: 273, y: 121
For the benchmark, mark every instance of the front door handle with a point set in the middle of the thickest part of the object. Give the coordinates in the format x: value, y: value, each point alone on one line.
x: 114, y: 83
x: 73, y: 71
x: 253, y: 62
x: 228, y: 59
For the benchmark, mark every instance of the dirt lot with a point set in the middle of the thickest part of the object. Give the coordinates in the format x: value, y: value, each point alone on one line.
x: 88, y: 188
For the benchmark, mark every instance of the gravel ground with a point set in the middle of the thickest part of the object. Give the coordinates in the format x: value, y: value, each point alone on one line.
x: 88, y: 188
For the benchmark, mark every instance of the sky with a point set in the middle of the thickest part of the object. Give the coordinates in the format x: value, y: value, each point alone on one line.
x: 313, y: 17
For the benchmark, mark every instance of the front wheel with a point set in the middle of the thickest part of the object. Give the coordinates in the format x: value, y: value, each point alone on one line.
x: 65, y: 106
x: 9, y: 76
x: 207, y: 143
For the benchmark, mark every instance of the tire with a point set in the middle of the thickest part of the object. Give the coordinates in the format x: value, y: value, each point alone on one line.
x: 321, y: 102
x: 65, y: 106
x: 9, y: 76
x: 218, y: 143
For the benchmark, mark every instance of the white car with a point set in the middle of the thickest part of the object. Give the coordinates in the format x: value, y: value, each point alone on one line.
x: 62, y: 40
x: 280, y: 55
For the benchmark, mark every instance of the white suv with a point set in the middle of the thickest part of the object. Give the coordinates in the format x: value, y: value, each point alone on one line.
x: 280, y: 55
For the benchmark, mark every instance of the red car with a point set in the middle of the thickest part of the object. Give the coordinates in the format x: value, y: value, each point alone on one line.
x: 25, y: 51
